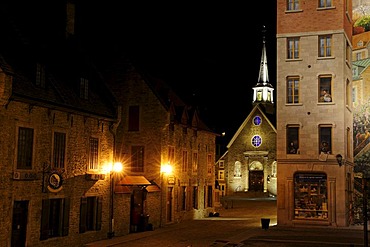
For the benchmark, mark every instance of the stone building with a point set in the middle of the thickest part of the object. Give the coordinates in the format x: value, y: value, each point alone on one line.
x: 314, y: 110
x: 56, y: 142
x: 248, y: 167
x: 64, y: 129
x: 157, y: 130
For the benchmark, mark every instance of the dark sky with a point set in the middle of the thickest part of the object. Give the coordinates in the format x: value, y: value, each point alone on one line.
x: 210, y: 53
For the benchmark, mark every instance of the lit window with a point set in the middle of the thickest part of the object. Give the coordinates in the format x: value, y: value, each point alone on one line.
x: 256, y: 141
x: 257, y: 120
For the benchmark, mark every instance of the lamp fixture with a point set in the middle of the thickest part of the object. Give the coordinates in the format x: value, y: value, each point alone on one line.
x: 339, y: 159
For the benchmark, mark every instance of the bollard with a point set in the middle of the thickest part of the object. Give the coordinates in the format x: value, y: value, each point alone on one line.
x: 265, y: 222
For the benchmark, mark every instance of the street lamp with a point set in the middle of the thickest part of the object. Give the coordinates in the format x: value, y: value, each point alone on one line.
x: 114, y: 169
x: 165, y: 169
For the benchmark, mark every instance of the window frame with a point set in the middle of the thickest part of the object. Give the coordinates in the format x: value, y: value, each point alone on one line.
x: 325, y: 44
x: 293, y: 83
x: 59, y: 150
x: 292, y: 136
x: 325, y: 135
x: 137, y: 158
x: 325, y: 83
x: 293, y: 48
x: 292, y: 5
x: 94, y: 153
x: 325, y: 4
x: 25, y: 148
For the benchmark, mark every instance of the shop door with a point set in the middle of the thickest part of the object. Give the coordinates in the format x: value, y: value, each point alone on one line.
x: 136, y: 210
x: 19, y: 224
x: 256, y: 180
x: 169, y: 204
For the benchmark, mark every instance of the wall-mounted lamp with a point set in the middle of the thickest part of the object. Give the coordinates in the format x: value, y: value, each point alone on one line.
x: 339, y: 159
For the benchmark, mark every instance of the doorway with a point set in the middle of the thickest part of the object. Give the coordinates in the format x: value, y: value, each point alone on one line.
x: 256, y: 180
x: 19, y: 223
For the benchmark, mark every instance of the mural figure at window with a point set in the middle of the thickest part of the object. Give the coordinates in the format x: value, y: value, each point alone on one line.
x: 325, y: 96
x: 325, y: 147
x: 292, y: 148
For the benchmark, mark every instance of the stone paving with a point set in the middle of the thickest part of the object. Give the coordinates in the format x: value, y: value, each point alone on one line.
x: 239, y: 225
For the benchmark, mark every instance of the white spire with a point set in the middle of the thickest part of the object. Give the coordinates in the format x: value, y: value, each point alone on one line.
x: 263, y: 75
x: 263, y: 90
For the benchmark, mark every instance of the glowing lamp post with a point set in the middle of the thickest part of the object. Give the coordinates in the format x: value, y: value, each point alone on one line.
x: 114, y: 169
x: 165, y: 169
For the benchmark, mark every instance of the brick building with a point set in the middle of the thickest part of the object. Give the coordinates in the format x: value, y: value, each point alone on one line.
x: 314, y: 110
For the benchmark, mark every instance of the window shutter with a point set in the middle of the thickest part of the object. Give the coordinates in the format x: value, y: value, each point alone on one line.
x: 83, y: 214
x: 66, y: 217
x: 99, y: 212
x: 44, y: 231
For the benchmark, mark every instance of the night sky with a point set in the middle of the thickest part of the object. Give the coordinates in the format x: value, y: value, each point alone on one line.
x: 209, y: 54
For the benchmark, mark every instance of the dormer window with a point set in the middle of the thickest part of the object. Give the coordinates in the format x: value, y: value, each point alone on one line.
x: 84, y: 88
x: 40, y: 75
x: 360, y: 43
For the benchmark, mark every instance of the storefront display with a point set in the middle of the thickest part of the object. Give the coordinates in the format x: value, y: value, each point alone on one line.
x: 310, y: 196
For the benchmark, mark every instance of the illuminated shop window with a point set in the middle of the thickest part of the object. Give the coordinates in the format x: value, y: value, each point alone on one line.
x: 256, y: 141
x: 310, y: 196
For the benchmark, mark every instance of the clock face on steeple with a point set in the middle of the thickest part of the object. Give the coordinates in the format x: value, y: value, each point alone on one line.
x: 257, y: 120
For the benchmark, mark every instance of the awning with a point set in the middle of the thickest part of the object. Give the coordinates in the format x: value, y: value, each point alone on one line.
x: 134, y: 180
x: 153, y: 188
x: 122, y: 189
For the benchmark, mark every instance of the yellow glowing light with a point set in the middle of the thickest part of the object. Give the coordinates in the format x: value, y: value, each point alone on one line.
x: 117, y: 167
x: 167, y: 168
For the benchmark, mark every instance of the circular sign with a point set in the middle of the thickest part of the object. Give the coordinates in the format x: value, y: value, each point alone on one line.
x: 55, y: 182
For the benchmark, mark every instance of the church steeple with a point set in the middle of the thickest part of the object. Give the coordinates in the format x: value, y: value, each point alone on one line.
x: 263, y: 90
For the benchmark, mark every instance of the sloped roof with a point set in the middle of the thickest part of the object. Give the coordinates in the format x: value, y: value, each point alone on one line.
x: 362, y: 65
x: 364, y: 37
x: 249, y: 117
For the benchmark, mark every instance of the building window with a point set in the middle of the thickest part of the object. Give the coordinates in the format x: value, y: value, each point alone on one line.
x: 293, y: 48
x: 257, y: 120
x: 209, y: 163
x: 25, y: 148
x: 84, y: 88
x: 325, y: 45
x: 137, y: 158
x: 184, y: 167
x: 94, y: 154
x: 221, y: 175
x: 310, y: 196
x: 348, y: 94
x: 292, y: 4
x: 293, y: 90
x: 171, y: 155
x: 195, y: 162
x: 209, y: 196
x: 59, y: 150
x: 183, y: 198
x: 325, y: 88
x: 256, y: 141
x: 133, y: 118
x: 325, y: 139
x: 238, y: 169
x: 293, y: 139
x: 195, y: 197
x: 325, y: 3
x: 40, y: 75
x: 90, y: 213
x: 54, y: 218
x: 221, y: 164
